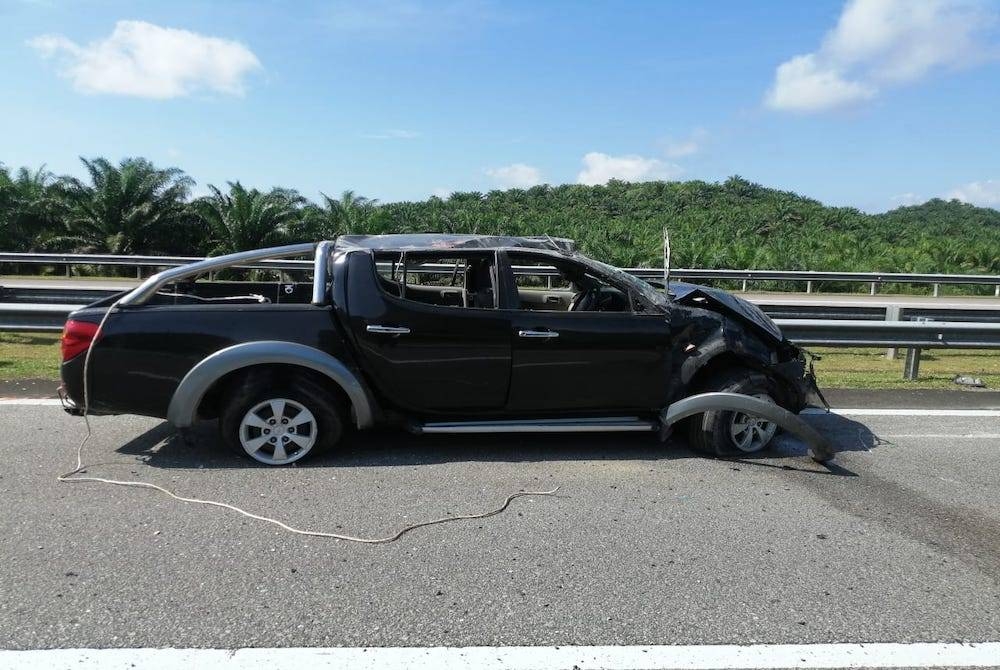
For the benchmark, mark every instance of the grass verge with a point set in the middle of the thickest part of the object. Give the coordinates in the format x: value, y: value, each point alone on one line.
x: 870, y: 369
x: 29, y: 356
x: 36, y: 356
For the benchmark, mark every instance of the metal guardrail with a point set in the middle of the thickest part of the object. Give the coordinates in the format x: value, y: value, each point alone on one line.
x: 806, y: 276
x: 138, y: 262
x: 919, y: 334
x: 33, y: 317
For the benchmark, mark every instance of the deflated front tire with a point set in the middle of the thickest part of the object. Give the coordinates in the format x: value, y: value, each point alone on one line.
x: 731, y: 433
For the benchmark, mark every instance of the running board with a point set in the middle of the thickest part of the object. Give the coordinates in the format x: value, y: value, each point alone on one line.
x: 626, y: 424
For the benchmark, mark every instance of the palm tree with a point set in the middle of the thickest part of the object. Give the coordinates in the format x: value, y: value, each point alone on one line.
x: 243, y: 219
x: 348, y: 215
x: 28, y: 210
x: 125, y: 209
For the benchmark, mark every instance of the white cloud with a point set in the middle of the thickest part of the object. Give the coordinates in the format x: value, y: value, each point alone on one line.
x: 599, y: 168
x: 983, y: 193
x: 880, y: 43
x: 144, y: 60
x: 804, y: 85
x: 392, y: 134
x: 906, y: 199
x: 687, y: 146
x: 517, y: 175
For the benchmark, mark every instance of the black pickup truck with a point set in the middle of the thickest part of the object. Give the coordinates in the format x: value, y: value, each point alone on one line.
x: 432, y: 333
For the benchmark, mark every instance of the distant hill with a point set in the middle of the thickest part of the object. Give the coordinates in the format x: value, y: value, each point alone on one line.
x: 734, y: 224
x: 937, y: 210
x: 135, y: 207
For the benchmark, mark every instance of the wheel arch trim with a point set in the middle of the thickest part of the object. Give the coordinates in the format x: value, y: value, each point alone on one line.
x: 183, y: 408
x: 820, y: 448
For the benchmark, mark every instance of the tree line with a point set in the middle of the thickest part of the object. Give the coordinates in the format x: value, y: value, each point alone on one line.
x: 135, y: 207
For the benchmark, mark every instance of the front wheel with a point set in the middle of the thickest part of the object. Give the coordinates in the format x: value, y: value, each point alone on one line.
x: 727, y: 433
x: 281, y: 424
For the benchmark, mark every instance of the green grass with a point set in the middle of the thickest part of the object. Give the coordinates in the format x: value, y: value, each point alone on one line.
x: 870, y: 369
x: 29, y: 356
x: 36, y: 356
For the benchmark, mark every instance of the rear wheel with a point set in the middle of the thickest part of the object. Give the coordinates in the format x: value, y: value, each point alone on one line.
x: 281, y: 423
x: 727, y: 433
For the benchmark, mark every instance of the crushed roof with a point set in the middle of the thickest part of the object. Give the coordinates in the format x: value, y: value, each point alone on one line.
x: 434, y: 241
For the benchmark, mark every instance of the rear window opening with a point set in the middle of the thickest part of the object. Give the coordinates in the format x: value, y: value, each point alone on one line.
x: 284, y: 281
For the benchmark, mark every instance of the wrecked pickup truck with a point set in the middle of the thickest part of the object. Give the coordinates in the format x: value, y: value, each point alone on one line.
x: 434, y: 334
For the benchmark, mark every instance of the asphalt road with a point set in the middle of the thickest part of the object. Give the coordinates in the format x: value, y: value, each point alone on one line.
x: 645, y: 543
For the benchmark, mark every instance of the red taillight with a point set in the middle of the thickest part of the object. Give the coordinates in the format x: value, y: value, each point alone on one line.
x: 77, y: 337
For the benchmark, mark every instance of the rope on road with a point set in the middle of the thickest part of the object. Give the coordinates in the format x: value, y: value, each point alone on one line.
x: 71, y: 478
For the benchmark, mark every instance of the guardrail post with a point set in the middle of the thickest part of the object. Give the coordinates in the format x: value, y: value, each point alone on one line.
x: 996, y: 291
x: 69, y: 273
x: 744, y: 285
x: 809, y: 286
x: 937, y: 290
x: 892, y: 313
x: 911, y: 367
x: 874, y: 288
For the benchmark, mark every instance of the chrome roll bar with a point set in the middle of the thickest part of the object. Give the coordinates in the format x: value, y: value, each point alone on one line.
x: 147, y: 289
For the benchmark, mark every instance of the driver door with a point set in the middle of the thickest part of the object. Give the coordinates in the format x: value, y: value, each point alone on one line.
x: 586, y: 361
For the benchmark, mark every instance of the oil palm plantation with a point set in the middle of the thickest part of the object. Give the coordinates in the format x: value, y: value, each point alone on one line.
x: 126, y: 208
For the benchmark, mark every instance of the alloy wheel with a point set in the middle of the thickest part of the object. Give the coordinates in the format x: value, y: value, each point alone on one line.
x: 751, y: 433
x: 278, y: 431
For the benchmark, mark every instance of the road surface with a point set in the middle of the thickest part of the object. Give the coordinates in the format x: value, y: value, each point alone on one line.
x: 645, y: 544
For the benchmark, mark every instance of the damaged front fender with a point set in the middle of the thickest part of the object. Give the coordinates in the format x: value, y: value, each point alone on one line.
x: 820, y: 449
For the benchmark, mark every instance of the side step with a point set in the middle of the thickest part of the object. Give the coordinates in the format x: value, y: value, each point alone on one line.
x: 611, y: 424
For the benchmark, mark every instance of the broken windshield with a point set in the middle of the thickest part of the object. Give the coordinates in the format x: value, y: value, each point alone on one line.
x: 641, y: 287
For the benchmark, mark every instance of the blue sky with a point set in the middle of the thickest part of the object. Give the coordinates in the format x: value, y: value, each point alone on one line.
x: 869, y: 103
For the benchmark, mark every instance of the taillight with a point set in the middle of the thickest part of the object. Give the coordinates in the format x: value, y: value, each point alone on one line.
x: 77, y: 337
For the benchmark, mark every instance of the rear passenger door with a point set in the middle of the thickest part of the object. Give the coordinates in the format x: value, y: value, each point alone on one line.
x: 428, y: 330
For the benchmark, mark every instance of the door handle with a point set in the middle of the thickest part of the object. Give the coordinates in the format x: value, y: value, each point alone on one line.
x: 539, y: 334
x: 387, y: 330
x: 552, y: 298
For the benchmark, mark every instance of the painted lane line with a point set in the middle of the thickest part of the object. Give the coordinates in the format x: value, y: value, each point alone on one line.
x: 689, y: 657
x: 35, y: 402
x: 942, y: 436
x: 865, y: 411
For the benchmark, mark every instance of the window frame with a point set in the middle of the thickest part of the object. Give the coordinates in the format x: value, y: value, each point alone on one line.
x: 462, y: 254
x: 512, y: 297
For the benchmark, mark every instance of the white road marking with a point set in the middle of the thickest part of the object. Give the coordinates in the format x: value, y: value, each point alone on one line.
x: 37, y: 402
x: 751, y: 657
x: 866, y: 411
x: 942, y: 436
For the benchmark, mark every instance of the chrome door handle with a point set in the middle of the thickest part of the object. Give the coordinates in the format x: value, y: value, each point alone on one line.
x: 388, y: 330
x: 540, y: 334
